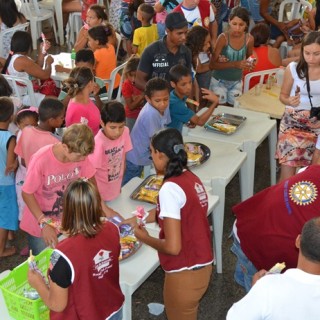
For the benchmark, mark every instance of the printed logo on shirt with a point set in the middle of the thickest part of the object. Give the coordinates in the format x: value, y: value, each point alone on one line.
x: 160, y: 61
x: 114, y: 163
x: 201, y: 193
x: 62, y: 177
x: 84, y: 120
x: 102, y: 262
x: 303, y: 193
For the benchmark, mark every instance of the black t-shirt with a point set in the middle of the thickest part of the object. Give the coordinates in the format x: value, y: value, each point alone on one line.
x: 60, y: 272
x: 157, y: 60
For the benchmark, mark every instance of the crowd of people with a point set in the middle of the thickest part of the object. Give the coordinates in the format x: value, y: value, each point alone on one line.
x: 181, y: 55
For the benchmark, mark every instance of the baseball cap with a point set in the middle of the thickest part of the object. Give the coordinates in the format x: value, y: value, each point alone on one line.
x: 175, y: 20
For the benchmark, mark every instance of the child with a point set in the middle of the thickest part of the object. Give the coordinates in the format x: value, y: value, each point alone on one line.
x: 129, y: 22
x: 154, y: 116
x: 96, y: 16
x: 184, y: 244
x: 104, y: 54
x: 50, y: 171
x: 148, y: 32
x: 21, y: 65
x: 25, y: 117
x: 80, y: 108
x: 8, y: 164
x: 133, y: 97
x: 84, y: 58
x: 198, y: 41
x: 111, y: 145
x: 84, y: 266
x: 236, y: 46
x: 32, y: 138
x: 181, y: 82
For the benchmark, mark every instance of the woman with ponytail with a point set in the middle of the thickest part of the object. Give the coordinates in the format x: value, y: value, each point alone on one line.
x: 300, y: 123
x: 184, y: 244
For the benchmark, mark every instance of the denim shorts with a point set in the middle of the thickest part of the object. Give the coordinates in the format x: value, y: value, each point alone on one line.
x: 245, y: 270
x: 117, y: 316
x: 132, y: 170
x: 227, y: 91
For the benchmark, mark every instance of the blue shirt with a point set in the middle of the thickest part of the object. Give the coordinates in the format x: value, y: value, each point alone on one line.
x: 149, y: 121
x: 5, y: 137
x: 179, y: 112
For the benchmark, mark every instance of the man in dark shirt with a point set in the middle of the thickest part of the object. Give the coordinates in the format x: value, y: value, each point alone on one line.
x: 160, y: 56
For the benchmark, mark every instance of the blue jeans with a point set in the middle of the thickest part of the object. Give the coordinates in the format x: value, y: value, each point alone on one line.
x: 36, y: 244
x: 117, y: 316
x: 132, y: 170
x: 245, y: 270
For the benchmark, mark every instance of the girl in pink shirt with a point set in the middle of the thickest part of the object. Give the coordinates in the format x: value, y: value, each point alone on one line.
x: 81, y: 109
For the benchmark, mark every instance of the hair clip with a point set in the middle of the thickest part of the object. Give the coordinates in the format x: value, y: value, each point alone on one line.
x: 84, y: 179
x: 177, y: 148
x: 75, y: 86
x: 32, y: 109
x: 11, y: 53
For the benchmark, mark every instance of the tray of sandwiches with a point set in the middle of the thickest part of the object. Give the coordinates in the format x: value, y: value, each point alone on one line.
x: 225, y: 123
x: 148, y: 190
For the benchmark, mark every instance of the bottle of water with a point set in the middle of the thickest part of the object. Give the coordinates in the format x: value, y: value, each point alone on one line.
x: 280, y: 75
x: 73, y: 58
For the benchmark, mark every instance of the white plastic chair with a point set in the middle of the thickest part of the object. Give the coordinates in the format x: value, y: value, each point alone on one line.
x: 260, y: 74
x: 35, y: 15
x: 118, y: 36
x: 73, y: 27
x: 16, y: 82
x: 9, y: 33
x: 111, y: 82
x: 296, y: 12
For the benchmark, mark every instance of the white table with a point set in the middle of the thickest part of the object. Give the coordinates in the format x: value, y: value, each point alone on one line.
x: 65, y: 58
x: 224, y: 163
x: 256, y: 128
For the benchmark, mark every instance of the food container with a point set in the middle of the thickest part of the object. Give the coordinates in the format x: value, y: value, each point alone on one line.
x: 225, y: 123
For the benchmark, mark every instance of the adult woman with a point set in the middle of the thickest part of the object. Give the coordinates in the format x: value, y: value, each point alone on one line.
x: 184, y: 246
x: 266, y: 56
x: 300, y: 93
x: 96, y: 16
x: 9, y: 17
x: 21, y: 65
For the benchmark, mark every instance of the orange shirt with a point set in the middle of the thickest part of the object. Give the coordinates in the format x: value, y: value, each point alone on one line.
x: 106, y: 61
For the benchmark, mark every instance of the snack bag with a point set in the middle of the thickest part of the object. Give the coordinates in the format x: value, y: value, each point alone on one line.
x: 277, y: 268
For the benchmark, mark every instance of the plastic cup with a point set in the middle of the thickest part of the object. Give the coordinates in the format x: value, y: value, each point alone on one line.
x: 257, y: 89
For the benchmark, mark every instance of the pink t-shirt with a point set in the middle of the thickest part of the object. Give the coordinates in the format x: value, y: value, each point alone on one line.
x: 109, y: 159
x: 88, y: 114
x: 31, y: 140
x: 47, y: 178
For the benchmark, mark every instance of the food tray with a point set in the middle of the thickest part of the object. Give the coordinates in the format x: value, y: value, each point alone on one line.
x: 148, y: 190
x: 225, y: 123
x: 198, y: 153
x: 129, y: 243
x: 13, y: 286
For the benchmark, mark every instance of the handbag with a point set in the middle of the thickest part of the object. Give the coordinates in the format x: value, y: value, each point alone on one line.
x: 295, y: 33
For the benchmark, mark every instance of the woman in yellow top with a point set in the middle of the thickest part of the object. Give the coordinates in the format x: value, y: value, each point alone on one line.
x: 104, y: 54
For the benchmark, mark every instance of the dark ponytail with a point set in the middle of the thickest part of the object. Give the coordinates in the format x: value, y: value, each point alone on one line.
x: 21, y: 42
x: 170, y: 142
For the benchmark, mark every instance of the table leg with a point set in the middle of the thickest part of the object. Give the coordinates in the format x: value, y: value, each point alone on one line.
x: 272, y: 150
x: 127, y: 313
x: 247, y: 170
x: 218, y: 188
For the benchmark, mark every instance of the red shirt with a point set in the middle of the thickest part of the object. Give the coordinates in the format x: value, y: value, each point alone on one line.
x: 196, y: 239
x: 129, y: 91
x: 269, y: 222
